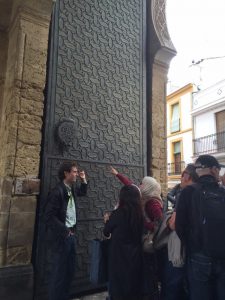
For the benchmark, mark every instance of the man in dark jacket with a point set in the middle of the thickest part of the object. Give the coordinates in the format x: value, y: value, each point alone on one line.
x: 200, y: 216
x: 60, y: 217
x: 174, y: 277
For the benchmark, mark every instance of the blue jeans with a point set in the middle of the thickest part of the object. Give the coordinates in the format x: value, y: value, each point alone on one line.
x: 173, y: 283
x: 206, y: 278
x: 173, y: 279
x: 63, y: 267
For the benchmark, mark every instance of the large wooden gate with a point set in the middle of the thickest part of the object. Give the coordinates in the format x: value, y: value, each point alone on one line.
x: 95, y: 112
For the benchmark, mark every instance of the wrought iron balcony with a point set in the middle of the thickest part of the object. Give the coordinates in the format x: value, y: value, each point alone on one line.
x: 212, y: 143
x: 175, y: 168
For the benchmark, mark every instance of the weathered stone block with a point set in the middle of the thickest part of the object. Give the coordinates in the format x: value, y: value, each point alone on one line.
x: 9, y: 166
x: 4, y: 220
x: 2, y: 257
x: 20, y: 238
x: 23, y: 204
x: 18, y: 255
x: 35, y: 57
x: 29, y: 136
x: 27, y: 186
x: 30, y: 121
x: 13, y: 105
x: 26, y: 166
x: 32, y: 107
x: 7, y: 185
x: 5, y: 204
x: 34, y: 75
x: 32, y: 151
x: 21, y: 220
x: 12, y: 134
x: 31, y: 92
x: 3, y: 238
x: 10, y: 148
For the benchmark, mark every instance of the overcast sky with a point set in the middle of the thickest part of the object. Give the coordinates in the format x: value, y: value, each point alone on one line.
x: 197, y: 29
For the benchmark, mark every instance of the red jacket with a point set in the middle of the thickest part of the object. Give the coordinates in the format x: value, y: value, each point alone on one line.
x: 153, y: 207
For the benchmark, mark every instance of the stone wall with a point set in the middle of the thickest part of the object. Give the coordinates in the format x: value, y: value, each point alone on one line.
x: 159, y: 161
x: 22, y: 82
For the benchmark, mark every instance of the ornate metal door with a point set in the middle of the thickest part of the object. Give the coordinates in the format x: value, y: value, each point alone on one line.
x: 95, y: 111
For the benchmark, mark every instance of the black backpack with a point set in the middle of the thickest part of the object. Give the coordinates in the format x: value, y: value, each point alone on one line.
x: 212, y: 222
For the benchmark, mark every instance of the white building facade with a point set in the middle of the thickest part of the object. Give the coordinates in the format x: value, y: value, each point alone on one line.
x: 179, y: 132
x: 208, y: 112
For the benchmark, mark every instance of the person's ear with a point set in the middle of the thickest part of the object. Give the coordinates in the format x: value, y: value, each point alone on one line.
x: 214, y: 171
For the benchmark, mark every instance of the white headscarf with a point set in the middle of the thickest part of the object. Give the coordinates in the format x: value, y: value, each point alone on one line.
x: 150, y: 188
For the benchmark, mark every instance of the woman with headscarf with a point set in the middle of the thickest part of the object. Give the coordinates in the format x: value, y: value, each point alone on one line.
x: 124, y: 228
x: 152, y: 207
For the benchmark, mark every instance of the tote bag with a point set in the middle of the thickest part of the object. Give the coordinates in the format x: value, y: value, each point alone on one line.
x: 98, y: 261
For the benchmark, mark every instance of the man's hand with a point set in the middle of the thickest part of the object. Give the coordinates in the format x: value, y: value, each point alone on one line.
x: 113, y: 171
x: 106, y: 217
x: 70, y: 233
x: 82, y: 175
x: 171, y: 221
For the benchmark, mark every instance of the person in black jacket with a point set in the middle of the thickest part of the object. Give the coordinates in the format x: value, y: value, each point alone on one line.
x: 60, y: 218
x: 124, y: 226
x: 200, y: 209
x: 173, y: 277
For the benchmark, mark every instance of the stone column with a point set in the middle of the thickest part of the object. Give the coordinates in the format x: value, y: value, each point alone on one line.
x: 21, y: 109
x: 160, y: 52
x: 159, y: 142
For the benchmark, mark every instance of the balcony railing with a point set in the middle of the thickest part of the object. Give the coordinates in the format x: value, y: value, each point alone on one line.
x: 212, y: 143
x: 175, y: 168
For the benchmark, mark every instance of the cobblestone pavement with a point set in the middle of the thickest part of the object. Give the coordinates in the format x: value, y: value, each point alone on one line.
x: 100, y: 296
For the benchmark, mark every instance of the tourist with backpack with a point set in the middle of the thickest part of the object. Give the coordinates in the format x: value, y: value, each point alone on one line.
x: 172, y: 258
x: 200, y: 224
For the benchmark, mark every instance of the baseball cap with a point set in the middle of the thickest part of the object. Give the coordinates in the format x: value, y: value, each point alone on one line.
x: 207, y: 161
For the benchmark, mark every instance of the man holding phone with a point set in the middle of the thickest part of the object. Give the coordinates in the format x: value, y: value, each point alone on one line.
x: 61, y: 219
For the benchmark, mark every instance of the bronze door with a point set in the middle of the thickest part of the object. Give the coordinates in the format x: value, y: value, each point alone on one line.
x: 95, y: 113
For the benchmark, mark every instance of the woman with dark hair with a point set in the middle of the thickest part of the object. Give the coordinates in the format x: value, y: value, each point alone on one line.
x: 124, y: 226
x: 152, y: 210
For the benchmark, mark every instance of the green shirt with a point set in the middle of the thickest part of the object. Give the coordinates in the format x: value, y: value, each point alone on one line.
x: 71, y: 209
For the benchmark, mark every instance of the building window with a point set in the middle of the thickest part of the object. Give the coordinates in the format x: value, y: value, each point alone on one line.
x: 177, y: 157
x: 220, y: 131
x: 175, y: 118
x: 220, y: 121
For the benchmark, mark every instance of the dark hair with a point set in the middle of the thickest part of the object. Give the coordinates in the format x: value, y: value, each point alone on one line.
x: 65, y: 167
x: 130, y: 201
x: 191, y: 170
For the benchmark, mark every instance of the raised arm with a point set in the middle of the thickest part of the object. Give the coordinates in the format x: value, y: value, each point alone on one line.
x: 121, y: 177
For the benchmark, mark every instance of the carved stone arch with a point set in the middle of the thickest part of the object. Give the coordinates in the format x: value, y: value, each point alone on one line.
x: 160, y: 51
x: 163, y: 49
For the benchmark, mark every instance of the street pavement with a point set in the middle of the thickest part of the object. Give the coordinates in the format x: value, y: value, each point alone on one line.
x: 100, y: 296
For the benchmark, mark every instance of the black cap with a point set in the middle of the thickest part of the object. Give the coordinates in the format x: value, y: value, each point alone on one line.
x: 207, y: 161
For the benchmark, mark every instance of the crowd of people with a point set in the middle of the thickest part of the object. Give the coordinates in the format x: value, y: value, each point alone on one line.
x: 190, y: 262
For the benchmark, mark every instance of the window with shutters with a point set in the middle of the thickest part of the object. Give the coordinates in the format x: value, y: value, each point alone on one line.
x: 177, y: 157
x: 220, y: 130
x: 175, y: 118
